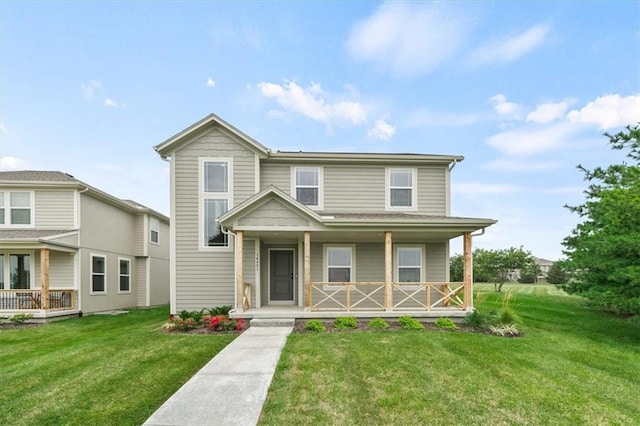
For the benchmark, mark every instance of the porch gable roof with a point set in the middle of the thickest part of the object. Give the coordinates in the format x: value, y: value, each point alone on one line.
x: 262, y: 198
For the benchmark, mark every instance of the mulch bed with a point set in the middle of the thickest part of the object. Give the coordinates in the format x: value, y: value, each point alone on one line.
x: 300, y: 327
x: 8, y: 325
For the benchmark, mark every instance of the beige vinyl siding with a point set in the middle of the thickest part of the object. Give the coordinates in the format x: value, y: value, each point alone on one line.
x: 249, y: 272
x: 432, y: 190
x: 370, y: 262
x: 71, y: 239
x: 159, y: 281
x: 61, y: 270
x: 105, y: 227
x: 437, y: 262
x: 160, y: 250
x: 140, y: 235
x: 140, y: 287
x: 361, y: 187
x: 205, y: 279
x: 54, y: 209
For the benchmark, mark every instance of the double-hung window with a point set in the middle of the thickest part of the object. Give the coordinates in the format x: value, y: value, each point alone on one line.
x: 307, y: 186
x: 215, y: 197
x: 409, y: 264
x: 401, y: 189
x: 124, y: 276
x: 154, y: 230
x: 16, y: 209
x: 339, y: 265
x: 98, y: 274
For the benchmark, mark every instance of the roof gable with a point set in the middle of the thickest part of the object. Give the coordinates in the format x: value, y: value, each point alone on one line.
x: 187, y: 135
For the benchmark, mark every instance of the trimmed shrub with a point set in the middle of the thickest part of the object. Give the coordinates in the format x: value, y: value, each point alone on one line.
x: 378, y: 324
x: 343, y: 323
x: 20, y: 318
x: 315, y: 325
x: 446, y: 323
x: 409, y: 323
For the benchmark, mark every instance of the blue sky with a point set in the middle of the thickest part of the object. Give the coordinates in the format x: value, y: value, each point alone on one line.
x: 524, y: 90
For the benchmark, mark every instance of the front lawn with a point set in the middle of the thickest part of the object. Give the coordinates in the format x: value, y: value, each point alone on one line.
x: 97, y: 370
x: 573, y: 366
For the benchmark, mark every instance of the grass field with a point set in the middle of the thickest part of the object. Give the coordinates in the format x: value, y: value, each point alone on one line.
x: 97, y: 370
x: 573, y: 366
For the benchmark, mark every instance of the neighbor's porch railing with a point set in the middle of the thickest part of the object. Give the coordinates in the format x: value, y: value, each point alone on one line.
x: 27, y: 299
x: 371, y: 296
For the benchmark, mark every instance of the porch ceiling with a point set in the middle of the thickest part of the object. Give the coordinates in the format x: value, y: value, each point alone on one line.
x: 355, y: 236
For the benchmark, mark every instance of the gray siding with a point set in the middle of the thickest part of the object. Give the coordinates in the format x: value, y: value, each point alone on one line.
x: 273, y: 213
x: 139, y: 235
x: 249, y: 272
x: 205, y: 278
x: 141, y: 281
x: 437, y: 262
x: 159, y: 281
x: 106, y: 227
x: 61, y: 270
x: 361, y: 187
x: 54, y: 209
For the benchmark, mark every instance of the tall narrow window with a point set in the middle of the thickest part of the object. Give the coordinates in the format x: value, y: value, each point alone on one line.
x: 409, y: 264
x: 216, y: 195
x: 307, y: 185
x: 154, y: 230
x: 98, y: 274
x: 124, y: 278
x: 401, y: 188
x: 2, y: 208
x: 20, y: 271
x: 1, y: 271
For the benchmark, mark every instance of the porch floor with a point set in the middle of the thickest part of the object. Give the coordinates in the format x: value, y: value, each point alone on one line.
x: 297, y: 312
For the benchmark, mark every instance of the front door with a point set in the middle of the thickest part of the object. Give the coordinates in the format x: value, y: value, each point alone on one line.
x: 281, y: 275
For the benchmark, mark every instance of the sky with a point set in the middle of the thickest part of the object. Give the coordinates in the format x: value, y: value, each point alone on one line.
x: 523, y: 90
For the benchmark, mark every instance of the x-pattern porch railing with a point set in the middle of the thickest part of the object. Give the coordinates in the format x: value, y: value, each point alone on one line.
x: 370, y: 296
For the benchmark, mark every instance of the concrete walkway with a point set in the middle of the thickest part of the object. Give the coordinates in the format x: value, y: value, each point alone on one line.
x: 232, y: 387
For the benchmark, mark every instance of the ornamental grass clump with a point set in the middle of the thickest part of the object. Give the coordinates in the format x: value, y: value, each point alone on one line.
x: 410, y: 323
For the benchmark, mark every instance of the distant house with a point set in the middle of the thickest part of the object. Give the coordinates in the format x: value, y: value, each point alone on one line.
x: 66, y: 247
x: 544, y: 265
x: 311, y: 233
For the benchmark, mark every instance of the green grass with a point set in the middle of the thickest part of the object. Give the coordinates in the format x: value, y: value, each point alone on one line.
x: 97, y: 370
x: 573, y: 366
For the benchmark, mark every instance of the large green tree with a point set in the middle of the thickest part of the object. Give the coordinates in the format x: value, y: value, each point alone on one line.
x: 502, y: 265
x: 603, y: 252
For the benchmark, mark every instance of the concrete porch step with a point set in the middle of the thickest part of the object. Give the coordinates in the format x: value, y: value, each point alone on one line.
x: 272, y: 322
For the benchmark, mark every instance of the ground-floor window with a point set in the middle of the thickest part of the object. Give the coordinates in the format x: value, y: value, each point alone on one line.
x: 98, y: 274
x: 409, y: 264
x: 124, y: 279
x: 15, y: 270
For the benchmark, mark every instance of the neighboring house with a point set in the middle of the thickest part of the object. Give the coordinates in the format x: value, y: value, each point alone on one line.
x: 67, y: 247
x: 311, y: 232
x: 544, y: 265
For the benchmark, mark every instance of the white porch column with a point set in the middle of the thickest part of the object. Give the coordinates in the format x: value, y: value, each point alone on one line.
x: 239, y: 270
x: 467, y: 270
x: 307, y: 270
x: 44, y: 277
x: 388, y: 271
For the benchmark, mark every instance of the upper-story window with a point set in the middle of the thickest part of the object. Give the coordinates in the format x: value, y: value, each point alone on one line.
x: 215, y: 199
x: 154, y: 230
x: 16, y: 209
x: 401, y: 189
x: 307, y: 186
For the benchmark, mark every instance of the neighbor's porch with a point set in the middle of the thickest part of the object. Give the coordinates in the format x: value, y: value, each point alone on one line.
x: 43, y: 302
x: 388, y: 298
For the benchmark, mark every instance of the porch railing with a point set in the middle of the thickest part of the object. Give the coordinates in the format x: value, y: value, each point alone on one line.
x: 370, y: 296
x: 27, y: 299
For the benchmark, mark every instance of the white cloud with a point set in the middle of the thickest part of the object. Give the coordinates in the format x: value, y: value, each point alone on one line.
x: 510, y: 49
x: 13, y: 163
x: 408, y: 38
x: 90, y: 88
x: 382, y: 130
x: 426, y: 118
x: 514, y: 165
x: 608, y: 111
x: 527, y: 141
x: 314, y: 103
x: 211, y: 82
x: 504, y: 107
x: 548, y: 112
x: 3, y: 129
x: 477, y: 188
x: 108, y: 102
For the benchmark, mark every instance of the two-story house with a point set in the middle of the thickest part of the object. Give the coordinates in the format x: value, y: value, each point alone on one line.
x: 311, y: 233
x: 67, y: 247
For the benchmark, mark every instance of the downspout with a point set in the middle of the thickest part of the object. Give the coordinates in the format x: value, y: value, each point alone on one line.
x: 225, y: 231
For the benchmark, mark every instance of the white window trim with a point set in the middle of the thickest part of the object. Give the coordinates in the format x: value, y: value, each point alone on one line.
x: 423, y: 261
x: 127, y: 259
x: 202, y: 195
x: 153, y: 220
x: 325, y: 265
x: 104, y: 256
x: 320, y: 169
x: 414, y: 189
x: 7, y: 266
x: 7, y: 211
